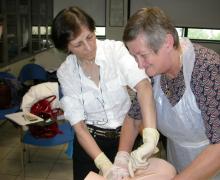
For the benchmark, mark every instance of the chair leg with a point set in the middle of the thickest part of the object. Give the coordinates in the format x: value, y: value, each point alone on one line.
x: 29, y: 154
x: 23, y: 159
x: 22, y: 153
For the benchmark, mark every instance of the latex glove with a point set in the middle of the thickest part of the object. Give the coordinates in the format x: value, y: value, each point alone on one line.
x: 119, y: 169
x: 103, y: 164
x: 140, y: 156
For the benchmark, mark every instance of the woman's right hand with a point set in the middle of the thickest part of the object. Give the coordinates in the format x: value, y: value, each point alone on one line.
x: 119, y: 170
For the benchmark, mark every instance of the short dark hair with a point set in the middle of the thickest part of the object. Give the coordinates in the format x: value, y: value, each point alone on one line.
x: 67, y: 26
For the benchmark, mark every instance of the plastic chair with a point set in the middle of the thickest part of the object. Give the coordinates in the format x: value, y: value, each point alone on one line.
x: 14, y: 108
x: 32, y: 72
x: 67, y: 135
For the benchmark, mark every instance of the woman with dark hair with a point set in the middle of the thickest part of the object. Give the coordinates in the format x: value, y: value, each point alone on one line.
x: 94, y: 79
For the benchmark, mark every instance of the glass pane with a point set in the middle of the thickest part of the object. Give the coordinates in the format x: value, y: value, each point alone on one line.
x: 204, y: 34
x: 24, y: 34
x: 12, y: 36
x: 41, y: 24
x: 100, y: 31
x: 180, y: 32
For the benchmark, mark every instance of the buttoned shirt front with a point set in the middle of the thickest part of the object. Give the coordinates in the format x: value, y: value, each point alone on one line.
x: 104, y: 105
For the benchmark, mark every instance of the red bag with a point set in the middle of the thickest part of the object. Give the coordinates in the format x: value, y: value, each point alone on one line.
x: 49, y: 127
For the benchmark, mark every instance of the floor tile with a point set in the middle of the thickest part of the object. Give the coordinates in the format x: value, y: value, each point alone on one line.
x: 10, y: 167
x: 29, y: 178
x: 46, y: 163
x: 46, y: 154
x: 4, y: 151
x: 7, y: 177
x: 62, y: 171
x: 38, y: 169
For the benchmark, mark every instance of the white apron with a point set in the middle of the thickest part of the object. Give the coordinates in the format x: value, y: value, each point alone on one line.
x: 182, y: 124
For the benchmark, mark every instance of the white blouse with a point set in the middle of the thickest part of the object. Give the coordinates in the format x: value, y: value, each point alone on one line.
x: 105, y: 105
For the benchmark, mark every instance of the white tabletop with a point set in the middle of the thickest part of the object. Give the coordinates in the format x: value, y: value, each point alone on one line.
x: 23, y: 118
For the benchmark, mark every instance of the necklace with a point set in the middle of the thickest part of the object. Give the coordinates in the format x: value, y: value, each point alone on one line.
x: 90, y: 70
x: 87, y: 67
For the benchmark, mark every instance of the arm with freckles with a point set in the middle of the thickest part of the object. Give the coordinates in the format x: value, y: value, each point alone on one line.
x: 129, y: 132
x: 130, y: 129
x: 139, y: 157
x: 90, y: 146
x: 206, y: 165
x: 147, y: 104
x: 86, y: 140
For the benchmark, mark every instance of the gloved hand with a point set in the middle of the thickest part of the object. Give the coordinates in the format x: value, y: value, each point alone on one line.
x: 119, y: 169
x: 138, y: 159
x: 103, y: 164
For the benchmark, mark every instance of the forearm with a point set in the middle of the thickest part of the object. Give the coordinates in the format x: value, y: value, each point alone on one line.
x: 147, y: 104
x: 86, y: 140
x: 205, y: 166
x: 129, y: 132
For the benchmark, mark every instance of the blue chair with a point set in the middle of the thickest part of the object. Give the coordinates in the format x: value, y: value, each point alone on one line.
x: 32, y: 72
x: 7, y: 75
x: 60, y: 138
x: 65, y: 137
x: 14, y: 108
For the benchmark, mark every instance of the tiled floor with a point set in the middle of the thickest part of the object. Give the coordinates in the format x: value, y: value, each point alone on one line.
x: 46, y: 163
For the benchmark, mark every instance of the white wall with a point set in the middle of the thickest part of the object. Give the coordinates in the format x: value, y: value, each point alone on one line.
x: 100, y: 11
x: 96, y: 8
x: 187, y: 13
x: 112, y: 31
x: 192, y: 13
x: 183, y: 12
x: 50, y: 59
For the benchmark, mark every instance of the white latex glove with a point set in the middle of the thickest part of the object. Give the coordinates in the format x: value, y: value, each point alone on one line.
x: 139, y: 157
x: 103, y: 164
x: 119, y: 169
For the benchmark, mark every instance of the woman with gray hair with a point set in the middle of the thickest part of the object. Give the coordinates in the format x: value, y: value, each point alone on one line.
x: 186, y: 89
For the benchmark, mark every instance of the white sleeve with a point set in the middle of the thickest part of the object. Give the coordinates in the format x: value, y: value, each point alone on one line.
x: 71, y: 100
x: 130, y: 73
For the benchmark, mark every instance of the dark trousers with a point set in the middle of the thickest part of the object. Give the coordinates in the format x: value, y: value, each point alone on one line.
x: 83, y: 164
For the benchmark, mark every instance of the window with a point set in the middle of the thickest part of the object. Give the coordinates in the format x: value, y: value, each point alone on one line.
x: 41, y: 30
x: 100, y: 32
x: 204, y: 34
x: 199, y: 34
x: 27, y: 28
x: 180, y: 31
